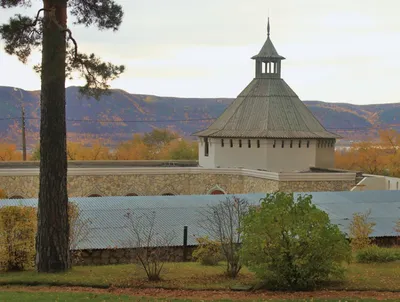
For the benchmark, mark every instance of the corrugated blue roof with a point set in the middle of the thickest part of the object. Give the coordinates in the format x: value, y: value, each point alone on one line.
x: 110, y: 227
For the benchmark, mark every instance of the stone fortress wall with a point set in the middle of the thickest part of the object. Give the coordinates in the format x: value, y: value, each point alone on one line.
x: 115, y: 180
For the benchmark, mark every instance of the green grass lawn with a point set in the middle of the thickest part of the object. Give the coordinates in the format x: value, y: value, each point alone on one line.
x: 61, y: 297
x: 194, y: 276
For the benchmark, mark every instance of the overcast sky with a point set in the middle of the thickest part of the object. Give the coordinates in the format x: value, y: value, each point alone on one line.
x: 336, y: 50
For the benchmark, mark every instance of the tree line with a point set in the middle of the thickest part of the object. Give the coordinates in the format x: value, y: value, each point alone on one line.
x: 380, y: 157
x: 159, y: 144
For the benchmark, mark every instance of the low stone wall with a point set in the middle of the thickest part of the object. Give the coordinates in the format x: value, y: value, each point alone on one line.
x: 171, y: 254
x: 174, y: 181
x: 316, y: 186
x: 125, y: 256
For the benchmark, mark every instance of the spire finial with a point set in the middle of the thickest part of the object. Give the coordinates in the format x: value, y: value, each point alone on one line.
x: 268, y: 28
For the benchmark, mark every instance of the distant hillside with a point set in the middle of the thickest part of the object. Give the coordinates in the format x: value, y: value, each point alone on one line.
x: 133, y: 113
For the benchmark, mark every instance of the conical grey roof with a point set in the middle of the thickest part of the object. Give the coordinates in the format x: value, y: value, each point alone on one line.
x: 268, y: 52
x: 267, y: 108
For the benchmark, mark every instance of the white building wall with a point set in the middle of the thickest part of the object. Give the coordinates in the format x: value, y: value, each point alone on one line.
x: 240, y: 157
x: 325, y: 154
x: 266, y: 157
x: 392, y: 183
x: 373, y: 182
x: 286, y: 158
x: 206, y: 161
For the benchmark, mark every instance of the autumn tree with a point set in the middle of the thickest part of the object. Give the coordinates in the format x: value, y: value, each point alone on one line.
x: 382, y: 157
x: 35, y: 154
x: 95, y: 151
x: 181, y: 149
x: 157, y: 139
x: 360, y: 230
x: 48, y: 32
x: 9, y: 152
x: 134, y: 149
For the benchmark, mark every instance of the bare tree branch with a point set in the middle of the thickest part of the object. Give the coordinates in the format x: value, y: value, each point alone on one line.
x: 223, y: 223
x: 152, y: 248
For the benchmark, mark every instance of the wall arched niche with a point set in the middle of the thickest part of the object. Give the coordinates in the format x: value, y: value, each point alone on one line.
x: 16, y: 197
x: 132, y: 194
x: 95, y: 195
x: 216, y: 190
x: 168, y: 194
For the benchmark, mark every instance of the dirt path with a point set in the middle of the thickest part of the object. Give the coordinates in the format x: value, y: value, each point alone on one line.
x: 209, y: 295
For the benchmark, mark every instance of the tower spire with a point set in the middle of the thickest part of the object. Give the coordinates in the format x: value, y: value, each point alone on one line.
x: 268, y: 28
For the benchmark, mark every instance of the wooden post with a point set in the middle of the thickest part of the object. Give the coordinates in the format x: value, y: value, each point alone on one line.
x: 185, y: 236
x: 23, y: 132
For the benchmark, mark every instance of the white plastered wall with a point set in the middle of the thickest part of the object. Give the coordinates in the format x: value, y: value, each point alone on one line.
x: 325, y: 154
x: 266, y: 157
x: 288, y: 158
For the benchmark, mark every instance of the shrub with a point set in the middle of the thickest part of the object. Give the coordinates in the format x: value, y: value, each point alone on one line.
x: 208, y: 252
x: 223, y: 222
x: 152, y: 244
x: 17, y: 237
x: 396, y: 228
x: 290, y: 244
x: 78, y: 230
x: 3, y: 194
x: 377, y: 254
x: 360, y: 231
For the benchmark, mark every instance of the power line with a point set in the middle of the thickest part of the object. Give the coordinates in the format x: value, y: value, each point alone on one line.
x: 174, y: 121
x: 121, y: 121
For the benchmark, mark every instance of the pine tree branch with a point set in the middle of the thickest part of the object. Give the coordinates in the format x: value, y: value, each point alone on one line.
x: 70, y: 37
x: 14, y: 3
x: 21, y: 35
x: 106, y: 14
x: 37, y: 17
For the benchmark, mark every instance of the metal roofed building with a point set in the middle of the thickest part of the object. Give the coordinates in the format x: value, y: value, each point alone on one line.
x: 110, y: 227
x: 267, y: 126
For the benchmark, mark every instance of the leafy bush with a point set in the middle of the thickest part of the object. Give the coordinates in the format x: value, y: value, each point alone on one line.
x: 377, y: 254
x: 360, y: 231
x: 208, y: 252
x: 290, y: 244
x: 17, y: 237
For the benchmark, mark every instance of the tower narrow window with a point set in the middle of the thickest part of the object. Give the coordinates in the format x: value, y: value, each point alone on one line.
x: 308, y: 144
x: 206, y: 150
x: 283, y: 144
x: 231, y: 143
x: 291, y: 144
x: 249, y: 143
x: 274, y: 144
x: 222, y: 142
x: 258, y: 143
x: 299, y: 143
x: 240, y: 143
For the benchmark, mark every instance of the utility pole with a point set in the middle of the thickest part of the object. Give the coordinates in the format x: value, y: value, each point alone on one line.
x: 23, y: 133
x: 22, y: 124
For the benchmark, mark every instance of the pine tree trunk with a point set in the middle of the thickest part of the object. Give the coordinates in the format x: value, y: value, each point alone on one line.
x: 52, y: 249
